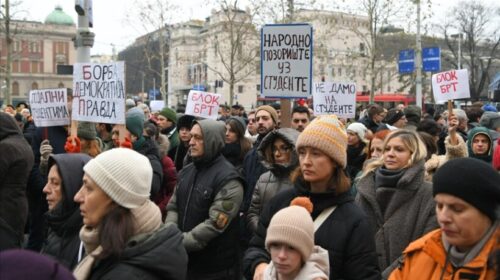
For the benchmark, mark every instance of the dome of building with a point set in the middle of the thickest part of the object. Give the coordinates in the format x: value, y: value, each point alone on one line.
x: 59, y: 17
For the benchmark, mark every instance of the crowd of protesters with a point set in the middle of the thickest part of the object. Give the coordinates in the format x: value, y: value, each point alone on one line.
x: 397, y: 193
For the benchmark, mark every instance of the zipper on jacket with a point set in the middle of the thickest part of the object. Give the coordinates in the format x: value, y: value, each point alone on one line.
x: 187, y: 202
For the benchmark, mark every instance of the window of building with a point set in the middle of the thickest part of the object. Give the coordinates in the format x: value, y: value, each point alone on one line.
x: 258, y: 87
x: 16, y: 66
x: 365, y: 88
x: 34, y: 47
x: 17, y: 46
x: 15, y: 89
x: 60, y: 85
x: 340, y: 71
x: 34, y: 85
x: 240, y: 89
x: 35, y: 67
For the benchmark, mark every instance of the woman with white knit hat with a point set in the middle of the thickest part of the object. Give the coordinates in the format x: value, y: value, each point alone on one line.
x: 340, y: 226
x: 123, y: 234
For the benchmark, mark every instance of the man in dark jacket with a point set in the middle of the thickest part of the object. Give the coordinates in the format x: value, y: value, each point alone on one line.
x: 16, y: 161
x: 205, y: 206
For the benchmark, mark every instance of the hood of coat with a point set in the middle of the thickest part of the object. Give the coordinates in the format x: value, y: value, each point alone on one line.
x: 214, y: 134
x: 470, y: 137
x: 264, y: 151
x: 70, y: 167
x: 161, y: 253
x: 8, y: 126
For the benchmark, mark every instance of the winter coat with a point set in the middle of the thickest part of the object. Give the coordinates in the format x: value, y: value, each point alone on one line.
x: 452, y: 152
x: 173, y: 138
x: 150, y: 149
x: 167, y: 186
x: 356, y: 157
x: 316, y: 267
x: 369, y: 124
x: 16, y: 162
x: 252, y: 169
x: 409, y: 214
x: 274, y: 180
x: 65, y: 221
x: 346, y: 235
x: 205, y: 206
x: 157, y: 255
x: 426, y: 257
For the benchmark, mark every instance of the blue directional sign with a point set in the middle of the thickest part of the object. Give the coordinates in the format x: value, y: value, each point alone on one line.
x: 431, y: 59
x: 154, y: 94
x: 199, y: 87
x: 406, y: 61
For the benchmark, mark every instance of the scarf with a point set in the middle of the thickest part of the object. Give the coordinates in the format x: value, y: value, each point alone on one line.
x: 386, y: 182
x: 147, y: 218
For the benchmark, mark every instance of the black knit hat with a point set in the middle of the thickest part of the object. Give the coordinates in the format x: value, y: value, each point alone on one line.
x: 393, y: 115
x: 185, y: 121
x: 472, y: 180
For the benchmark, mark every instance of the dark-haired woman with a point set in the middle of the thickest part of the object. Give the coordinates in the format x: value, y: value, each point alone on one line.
x: 237, y: 145
x: 123, y: 232
x: 340, y: 226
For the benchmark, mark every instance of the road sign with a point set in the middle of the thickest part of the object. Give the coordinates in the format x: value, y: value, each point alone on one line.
x: 154, y: 94
x: 406, y: 61
x: 286, y: 56
x: 431, y: 58
x: 199, y: 87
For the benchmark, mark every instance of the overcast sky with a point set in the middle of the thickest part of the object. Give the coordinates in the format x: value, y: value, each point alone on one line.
x: 112, y: 27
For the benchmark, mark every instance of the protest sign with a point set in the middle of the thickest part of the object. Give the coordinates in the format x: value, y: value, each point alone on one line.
x: 49, y: 107
x: 99, y: 92
x: 156, y: 105
x: 203, y: 104
x: 337, y: 98
x: 453, y: 84
x: 286, y: 60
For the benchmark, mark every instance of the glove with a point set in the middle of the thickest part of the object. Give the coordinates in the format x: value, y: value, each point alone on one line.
x: 69, y: 147
x: 126, y: 143
x: 45, y: 151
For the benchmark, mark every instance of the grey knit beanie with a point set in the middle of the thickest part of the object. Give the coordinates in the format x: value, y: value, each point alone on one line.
x: 87, y: 131
x: 123, y: 174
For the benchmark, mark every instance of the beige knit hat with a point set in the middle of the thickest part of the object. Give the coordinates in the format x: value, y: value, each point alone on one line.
x: 292, y: 226
x: 123, y: 174
x: 327, y: 134
x: 270, y: 110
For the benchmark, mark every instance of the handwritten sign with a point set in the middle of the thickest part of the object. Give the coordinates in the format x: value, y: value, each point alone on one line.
x: 453, y: 84
x: 203, y: 104
x: 49, y: 107
x: 337, y: 98
x: 156, y: 105
x: 286, y: 60
x: 99, y: 92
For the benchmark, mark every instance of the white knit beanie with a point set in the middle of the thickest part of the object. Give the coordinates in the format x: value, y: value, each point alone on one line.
x: 123, y: 174
x: 359, y: 129
x: 292, y: 226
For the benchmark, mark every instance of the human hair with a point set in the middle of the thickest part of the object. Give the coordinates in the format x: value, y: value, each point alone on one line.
x: 340, y: 182
x: 430, y: 143
x: 301, y: 110
x: 90, y: 147
x: 381, y: 134
x: 474, y: 113
x: 374, y: 109
x: 412, y: 142
x: 429, y: 126
x: 245, y: 144
x: 117, y: 227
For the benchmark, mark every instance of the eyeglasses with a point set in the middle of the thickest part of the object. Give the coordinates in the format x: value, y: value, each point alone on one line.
x: 282, y: 149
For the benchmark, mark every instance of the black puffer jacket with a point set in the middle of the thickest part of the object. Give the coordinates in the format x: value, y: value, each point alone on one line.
x: 65, y: 221
x: 150, y: 149
x: 159, y: 255
x: 16, y: 161
x: 346, y: 235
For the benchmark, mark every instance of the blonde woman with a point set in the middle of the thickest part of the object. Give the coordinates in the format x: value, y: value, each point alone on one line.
x: 393, y: 194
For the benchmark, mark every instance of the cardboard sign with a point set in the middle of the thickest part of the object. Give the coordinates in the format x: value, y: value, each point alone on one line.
x: 49, y: 107
x: 156, y: 105
x: 453, y: 84
x: 99, y: 92
x: 203, y: 104
x: 286, y: 60
x: 337, y: 98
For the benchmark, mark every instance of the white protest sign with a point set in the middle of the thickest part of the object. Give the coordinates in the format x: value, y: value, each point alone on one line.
x: 156, y: 105
x: 99, y: 92
x: 286, y: 60
x: 453, y: 84
x: 337, y: 98
x: 203, y: 104
x: 49, y: 107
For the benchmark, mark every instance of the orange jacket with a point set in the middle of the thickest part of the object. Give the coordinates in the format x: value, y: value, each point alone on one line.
x: 424, y: 259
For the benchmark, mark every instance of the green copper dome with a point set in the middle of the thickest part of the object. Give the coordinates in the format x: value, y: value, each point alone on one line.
x: 59, y: 17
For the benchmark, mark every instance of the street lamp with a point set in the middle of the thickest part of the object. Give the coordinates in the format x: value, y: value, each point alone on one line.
x: 459, y: 36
